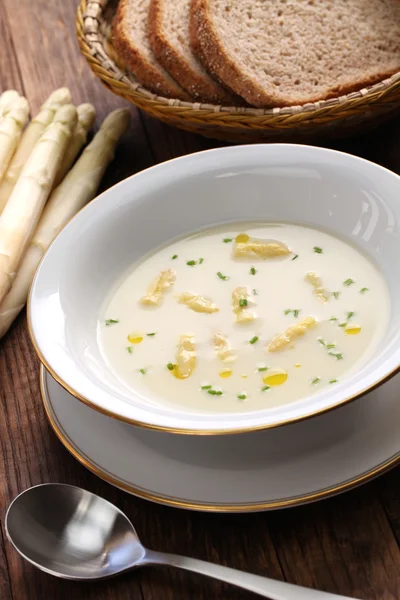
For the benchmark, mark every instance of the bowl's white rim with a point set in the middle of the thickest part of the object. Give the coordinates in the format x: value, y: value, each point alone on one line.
x: 204, y: 431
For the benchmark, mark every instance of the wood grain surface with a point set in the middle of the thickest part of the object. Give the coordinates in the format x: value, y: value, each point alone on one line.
x: 348, y: 545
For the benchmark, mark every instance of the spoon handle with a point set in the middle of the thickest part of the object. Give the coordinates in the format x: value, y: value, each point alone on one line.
x: 269, y: 588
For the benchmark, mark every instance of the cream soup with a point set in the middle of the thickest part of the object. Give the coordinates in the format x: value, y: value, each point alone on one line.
x: 244, y: 317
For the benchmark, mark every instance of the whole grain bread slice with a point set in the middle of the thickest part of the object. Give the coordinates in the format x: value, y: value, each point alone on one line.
x: 130, y: 38
x: 168, y: 28
x: 290, y: 52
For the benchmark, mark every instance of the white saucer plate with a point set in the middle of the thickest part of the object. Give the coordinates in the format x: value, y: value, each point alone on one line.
x: 270, y: 469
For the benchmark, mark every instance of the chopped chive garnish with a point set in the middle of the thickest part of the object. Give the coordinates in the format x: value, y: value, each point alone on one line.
x: 295, y: 312
x: 143, y: 371
x: 206, y: 387
x: 255, y: 292
x: 170, y: 367
x: 342, y: 324
x: 242, y: 396
x: 316, y: 380
x: 321, y: 341
x: 265, y: 388
x: 295, y: 256
x: 111, y: 322
x: 201, y: 260
x: 174, y: 256
x: 242, y: 302
x: 330, y: 346
x: 348, y: 282
x: 318, y: 250
x: 191, y: 263
x: 363, y: 290
x: 337, y: 355
x: 336, y: 295
x: 221, y: 276
x: 214, y: 392
x: 333, y: 381
x: 227, y: 240
x: 253, y: 271
x: 333, y: 319
x: 261, y: 369
x: 254, y: 339
x: 151, y: 334
x: 349, y: 315
x: 130, y: 349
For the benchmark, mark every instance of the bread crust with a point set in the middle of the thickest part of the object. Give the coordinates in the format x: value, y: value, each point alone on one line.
x: 201, y: 88
x: 208, y: 47
x: 152, y: 77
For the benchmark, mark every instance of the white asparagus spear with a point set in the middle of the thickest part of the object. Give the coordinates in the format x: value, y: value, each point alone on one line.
x: 78, y: 187
x: 25, y: 205
x: 86, y: 118
x: 6, y: 100
x: 11, y: 126
x: 28, y: 140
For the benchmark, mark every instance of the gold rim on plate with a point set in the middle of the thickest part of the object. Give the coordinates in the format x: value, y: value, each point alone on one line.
x: 124, y: 485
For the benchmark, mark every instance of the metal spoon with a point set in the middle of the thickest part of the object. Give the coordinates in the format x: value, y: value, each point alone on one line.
x: 71, y: 533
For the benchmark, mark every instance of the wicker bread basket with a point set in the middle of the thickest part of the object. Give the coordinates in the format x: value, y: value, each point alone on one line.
x: 334, y: 117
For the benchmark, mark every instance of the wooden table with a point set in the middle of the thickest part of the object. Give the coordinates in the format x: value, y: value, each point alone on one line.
x: 348, y: 544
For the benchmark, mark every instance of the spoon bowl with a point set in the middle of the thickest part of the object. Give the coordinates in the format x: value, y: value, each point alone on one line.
x: 74, y: 534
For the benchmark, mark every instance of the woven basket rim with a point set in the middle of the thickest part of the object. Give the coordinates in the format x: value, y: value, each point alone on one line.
x: 91, y: 14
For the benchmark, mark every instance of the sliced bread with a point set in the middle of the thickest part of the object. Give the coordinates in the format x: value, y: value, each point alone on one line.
x: 132, y: 44
x: 169, y: 39
x: 290, y: 52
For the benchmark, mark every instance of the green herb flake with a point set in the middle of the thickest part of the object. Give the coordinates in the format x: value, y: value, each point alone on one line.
x: 321, y: 341
x: 337, y: 355
x: 152, y: 334
x: 175, y: 256
x: 170, y: 367
x: 336, y: 295
x: 254, y: 339
x: 350, y: 314
x: 348, y: 282
x: 111, y: 322
x: 342, y: 324
x: 294, y: 311
x: 201, y: 260
x: 255, y: 292
x: 363, y: 290
x: 295, y: 256
x: 333, y: 381
x: 143, y: 371
x: 241, y: 396
x: 130, y: 349
x: 227, y: 240
x: 330, y: 346
x: 318, y: 250
x: 333, y: 319
x: 191, y: 263
x: 206, y: 387
x: 221, y: 276
x: 243, y: 302
x: 265, y: 388
x: 214, y: 392
x: 253, y: 271
x: 316, y: 380
x: 262, y: 369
